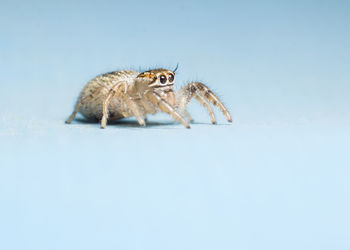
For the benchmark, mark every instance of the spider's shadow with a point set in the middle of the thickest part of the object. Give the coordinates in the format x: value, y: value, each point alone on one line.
x: 127, y: 123
x: 133, y: 123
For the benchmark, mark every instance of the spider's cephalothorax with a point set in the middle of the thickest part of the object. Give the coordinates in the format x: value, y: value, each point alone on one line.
x: 128, y: 93
x: 161, y: 81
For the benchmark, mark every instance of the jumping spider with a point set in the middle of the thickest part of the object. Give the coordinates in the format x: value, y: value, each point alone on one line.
x: 127, y: 93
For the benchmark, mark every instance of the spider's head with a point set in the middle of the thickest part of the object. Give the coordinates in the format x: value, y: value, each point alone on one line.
x: 158, y: 78
x: 160, y: 81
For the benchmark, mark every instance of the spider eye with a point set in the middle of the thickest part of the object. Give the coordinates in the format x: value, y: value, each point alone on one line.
x: 162, y: 79
x: 171, y: 77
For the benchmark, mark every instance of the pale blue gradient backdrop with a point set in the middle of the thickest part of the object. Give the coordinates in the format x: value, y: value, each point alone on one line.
x: 277, y: 178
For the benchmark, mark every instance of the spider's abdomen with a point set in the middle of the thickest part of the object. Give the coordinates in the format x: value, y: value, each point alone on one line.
x: 95, y: 91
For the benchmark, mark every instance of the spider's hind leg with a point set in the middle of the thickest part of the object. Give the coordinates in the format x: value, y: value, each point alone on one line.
x: 75, y: 111
x: 81, y: 101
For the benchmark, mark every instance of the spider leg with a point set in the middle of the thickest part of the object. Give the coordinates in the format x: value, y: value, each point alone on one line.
x: 80, y: 103
x: 188, y: 116
x: 201, y: 99
x: 135, y: 110
x: 75, y: 111
x: 106, y: 102
x: 128, y: 101
x: 166, y: 107
x: 204, y: 96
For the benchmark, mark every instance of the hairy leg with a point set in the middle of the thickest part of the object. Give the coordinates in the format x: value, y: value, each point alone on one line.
x: 107, y: 101
x: 75, y: 111
x: 188, y: 116
x: 201, y: 99
x: 80, y: 103
x: 135, y: 110
x: 120, y: 89
x: 166, y: 107
x: 203, y: 95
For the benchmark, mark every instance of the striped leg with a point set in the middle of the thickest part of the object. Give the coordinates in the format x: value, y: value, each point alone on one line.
x: 201, y: 99
x: 166, y: 107
x: 204, y: 96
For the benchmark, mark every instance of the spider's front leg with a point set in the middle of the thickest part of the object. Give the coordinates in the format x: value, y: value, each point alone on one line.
x: 204, y: 96
x: 166, y: 107
x: 120, y: 89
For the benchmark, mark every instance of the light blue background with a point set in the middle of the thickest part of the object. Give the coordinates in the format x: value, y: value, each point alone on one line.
x: 277, y: 178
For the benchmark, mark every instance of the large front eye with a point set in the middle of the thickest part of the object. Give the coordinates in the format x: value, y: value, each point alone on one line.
x: 171, y: 77
x: 162, y: 79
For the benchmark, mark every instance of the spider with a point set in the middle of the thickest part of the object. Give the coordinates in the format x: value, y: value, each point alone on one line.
x: 128, y: 93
